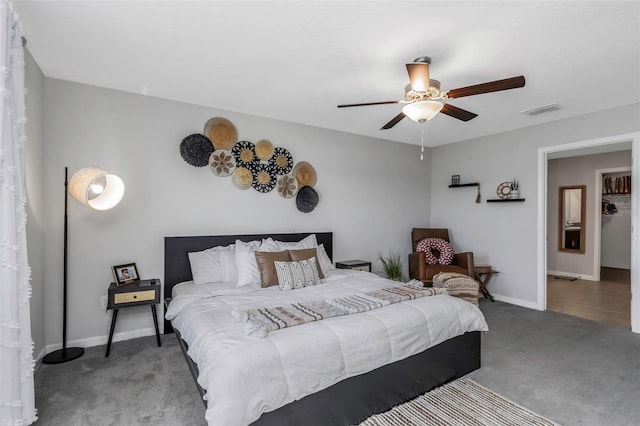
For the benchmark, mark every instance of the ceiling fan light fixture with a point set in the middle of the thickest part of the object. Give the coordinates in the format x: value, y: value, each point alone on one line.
x: 422, y: 111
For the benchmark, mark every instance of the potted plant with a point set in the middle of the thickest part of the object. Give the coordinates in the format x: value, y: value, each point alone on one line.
x: 392, y: 265
x: 515, y: 192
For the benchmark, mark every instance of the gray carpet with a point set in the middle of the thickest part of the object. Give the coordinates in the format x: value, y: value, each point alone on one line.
x: 573, y: 371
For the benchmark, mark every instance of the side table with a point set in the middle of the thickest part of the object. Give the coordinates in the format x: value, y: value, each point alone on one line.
x: 356, y: 265
x: 484, y: 274
x: 138, y: 293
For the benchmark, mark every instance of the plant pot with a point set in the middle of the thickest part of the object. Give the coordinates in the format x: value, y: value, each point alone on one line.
x: 515, y: 193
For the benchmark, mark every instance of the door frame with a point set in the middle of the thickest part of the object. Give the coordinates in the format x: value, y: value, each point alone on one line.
x: 543, y: 158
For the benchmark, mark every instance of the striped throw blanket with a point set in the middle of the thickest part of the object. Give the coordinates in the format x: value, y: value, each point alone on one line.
x: 264, y: 320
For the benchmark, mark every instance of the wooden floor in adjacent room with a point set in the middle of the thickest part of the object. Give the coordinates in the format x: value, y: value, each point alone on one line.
x: 608, y: 300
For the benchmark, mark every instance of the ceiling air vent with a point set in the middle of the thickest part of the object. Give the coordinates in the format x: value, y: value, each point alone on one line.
x: 542, y: 109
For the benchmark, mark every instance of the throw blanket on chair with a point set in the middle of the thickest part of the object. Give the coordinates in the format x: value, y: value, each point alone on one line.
x: 264, y: 320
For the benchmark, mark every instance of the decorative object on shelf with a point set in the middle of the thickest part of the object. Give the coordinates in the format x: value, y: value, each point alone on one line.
x: 392, y: 265
x: 221, y: 132
x: 455, y: 180
x: 287, y: 186
x: 125, y: 274
x: 242, y: 178
x: 264, y: 178
x: 504, y: 190
x: 245, y: 154
x: 515, y: 192
x: 99, y: 190
x: 305, y: 174
x: 264, y: 150
x: 307, y: 199
x: 196, y: 149
x: 222, y: 162
x: 282, y: 161
x: 478, y: 196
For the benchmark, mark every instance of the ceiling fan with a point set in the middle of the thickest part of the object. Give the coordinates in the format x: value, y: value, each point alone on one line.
x: 423, y: 96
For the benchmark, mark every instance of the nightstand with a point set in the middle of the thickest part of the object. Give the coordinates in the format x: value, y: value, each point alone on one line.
x: 357, y: 265
x: 138, y: 293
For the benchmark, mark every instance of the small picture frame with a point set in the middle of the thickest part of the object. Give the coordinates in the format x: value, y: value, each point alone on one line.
x: 455, y: 180
x: 125, y: 274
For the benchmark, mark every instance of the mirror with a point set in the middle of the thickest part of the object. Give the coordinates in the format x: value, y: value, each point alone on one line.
x: 571, y: 215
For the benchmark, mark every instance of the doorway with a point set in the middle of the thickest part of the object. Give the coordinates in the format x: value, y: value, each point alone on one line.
x: 616, y: 143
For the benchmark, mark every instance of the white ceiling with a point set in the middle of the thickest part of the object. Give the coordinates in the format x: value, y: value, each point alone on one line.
x: 297, y: 60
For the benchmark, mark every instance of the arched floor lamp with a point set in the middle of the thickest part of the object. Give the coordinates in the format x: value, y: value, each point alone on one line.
x: 99, y: 190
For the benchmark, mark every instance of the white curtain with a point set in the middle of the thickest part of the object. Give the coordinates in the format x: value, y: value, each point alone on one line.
x: 17, y: 400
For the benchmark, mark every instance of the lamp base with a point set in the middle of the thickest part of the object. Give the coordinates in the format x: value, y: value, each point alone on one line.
x: 63, y: 355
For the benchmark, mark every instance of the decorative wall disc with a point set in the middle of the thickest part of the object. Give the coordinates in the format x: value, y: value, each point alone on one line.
x: 504, y: 190
x: 305, y: 173
x: 221, y: 132
x: 245, y: 154
x: 264, y: 150
x: 222, y: 162
x: 281, y: 160
x: 287, y: 186
x: 264, y: 178
x: 195, y: 149
x: 242, y: 178
x: 307, y: 199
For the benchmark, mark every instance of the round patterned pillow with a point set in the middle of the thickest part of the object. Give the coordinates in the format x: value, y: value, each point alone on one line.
x: 442, y: 247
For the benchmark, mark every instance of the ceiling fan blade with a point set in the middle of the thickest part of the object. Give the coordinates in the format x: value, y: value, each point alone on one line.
x: 492, y: 86
x: 368, y: 103
x: 419, y: 76
x: 459, y: 113
x: 395, y: 120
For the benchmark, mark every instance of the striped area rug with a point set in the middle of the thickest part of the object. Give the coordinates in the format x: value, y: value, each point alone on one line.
x: 459, y: 403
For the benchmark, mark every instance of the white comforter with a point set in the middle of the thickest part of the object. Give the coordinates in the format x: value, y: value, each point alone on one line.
x: 245, y: 376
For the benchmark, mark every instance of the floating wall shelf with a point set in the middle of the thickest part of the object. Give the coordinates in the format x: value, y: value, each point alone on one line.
x: 464, y: 184
x: 505, y: 200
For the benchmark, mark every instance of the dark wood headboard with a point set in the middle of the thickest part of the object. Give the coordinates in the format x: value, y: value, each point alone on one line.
x: 176, y: 253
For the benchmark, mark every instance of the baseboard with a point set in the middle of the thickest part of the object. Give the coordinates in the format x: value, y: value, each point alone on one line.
x: 626, y: 266
x: 100, y: 340
x: 572, y: 275
x: 518, y: 302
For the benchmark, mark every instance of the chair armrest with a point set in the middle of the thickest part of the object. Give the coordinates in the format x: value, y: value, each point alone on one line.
x: 465, y: 260
x: 417, y: 265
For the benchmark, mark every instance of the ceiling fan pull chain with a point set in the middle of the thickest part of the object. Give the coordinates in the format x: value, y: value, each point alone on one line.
x: 422, y: 141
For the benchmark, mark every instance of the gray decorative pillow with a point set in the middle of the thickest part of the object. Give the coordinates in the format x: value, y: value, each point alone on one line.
x: 299, y: 274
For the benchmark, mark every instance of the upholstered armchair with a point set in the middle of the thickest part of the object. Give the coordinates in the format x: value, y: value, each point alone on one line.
x: 418, y: 268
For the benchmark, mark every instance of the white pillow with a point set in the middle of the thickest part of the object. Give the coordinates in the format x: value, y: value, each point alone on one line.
x: 245, y: 259
x: 323, y: 258
x: 305, y: 243
x: 212, y: 265
x: 297, y: 274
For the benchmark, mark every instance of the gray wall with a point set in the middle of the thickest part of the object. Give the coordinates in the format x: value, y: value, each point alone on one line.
x: 34, y: 180
x: 581, y: 171
x: 372, y: 192
x: 505, y: 234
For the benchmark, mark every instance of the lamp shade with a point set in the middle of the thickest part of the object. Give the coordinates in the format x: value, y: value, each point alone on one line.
x: 422, y: 111
x: 96, y: 188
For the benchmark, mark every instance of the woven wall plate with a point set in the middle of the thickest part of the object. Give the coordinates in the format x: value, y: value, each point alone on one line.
x: 307, y: 199
x: 242, y: 178
x: 305, y: 173
x: 282, y: 161
x: 264, y: 178
x: 222, y: 162
x: 287, y: 186
x: 264, y: 150
x: 195, y: 149
x: 222, y: 132
x: 245, y: 154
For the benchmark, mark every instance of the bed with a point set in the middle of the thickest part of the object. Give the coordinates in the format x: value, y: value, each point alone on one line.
x: 360, y: 389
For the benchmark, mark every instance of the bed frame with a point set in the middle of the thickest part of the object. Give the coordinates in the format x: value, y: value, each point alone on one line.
x: 354, y: 399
